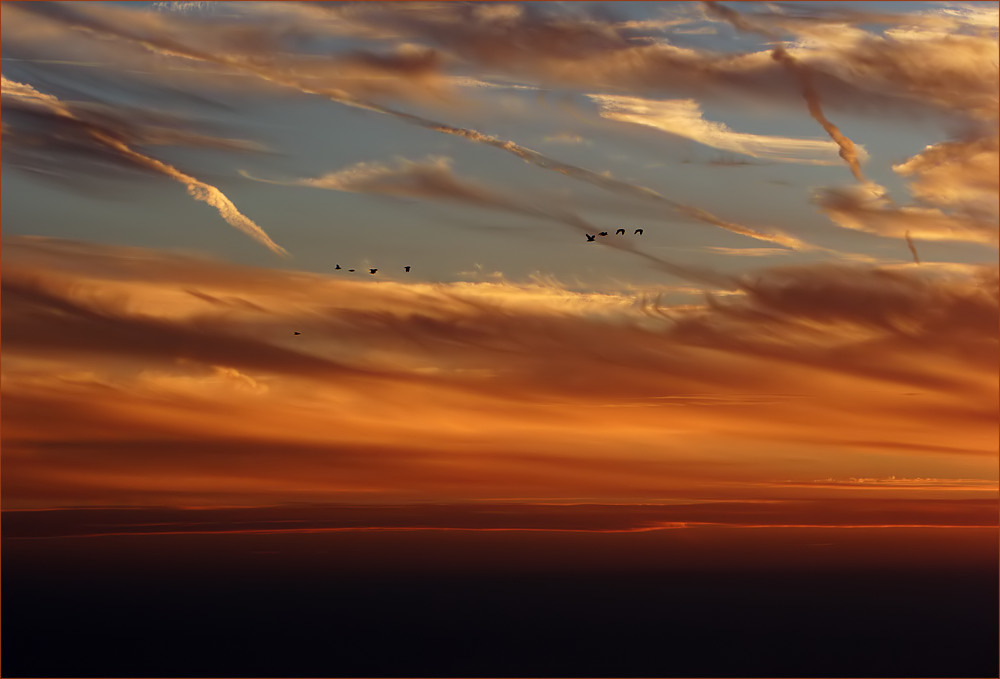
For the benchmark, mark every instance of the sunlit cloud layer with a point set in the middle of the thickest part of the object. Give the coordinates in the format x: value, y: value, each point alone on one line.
x: 179, y: 379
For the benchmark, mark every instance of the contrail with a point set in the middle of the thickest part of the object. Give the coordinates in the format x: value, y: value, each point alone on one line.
x: 913, y: 249
x: 170, y: 47
x: 609, y: 184
x: 434, y: 180
x: 206, y: 193
x: 848, y: 151
x: 198, y: 190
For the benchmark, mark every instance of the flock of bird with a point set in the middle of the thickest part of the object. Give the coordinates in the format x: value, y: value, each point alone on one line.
x: 371, y: 271
x: 590, y: 239
x: 619, y: 232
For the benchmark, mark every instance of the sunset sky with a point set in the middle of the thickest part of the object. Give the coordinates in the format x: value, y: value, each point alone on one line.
x: 804, y: 333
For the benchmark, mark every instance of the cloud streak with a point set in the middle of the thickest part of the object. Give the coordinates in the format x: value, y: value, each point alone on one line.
x: 683, y: 117
x: 511, y: 516
x: 433, y: 179
x: 102, y: 138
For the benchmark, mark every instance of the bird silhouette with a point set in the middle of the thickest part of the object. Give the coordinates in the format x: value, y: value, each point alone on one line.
x: 620, y: 231
x: 337, y: 268
x: 372, y: 271
x: 590, y: 239
x: 351, y: 270
x: 639, y: 231
x: 406, y: 269
x: 296, y: 332
x: 603, y: 233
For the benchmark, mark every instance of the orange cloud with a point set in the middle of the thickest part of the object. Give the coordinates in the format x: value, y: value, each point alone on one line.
x: 848, y: 66
x: 683, y: 117
x: 959, y: 175
x: 177, y: 380
x: 867, y: 208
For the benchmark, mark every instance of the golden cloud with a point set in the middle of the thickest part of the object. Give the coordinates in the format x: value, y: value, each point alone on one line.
x: 196, y: 391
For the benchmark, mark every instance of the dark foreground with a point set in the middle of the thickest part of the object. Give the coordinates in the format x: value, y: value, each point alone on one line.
x: 699, y: 601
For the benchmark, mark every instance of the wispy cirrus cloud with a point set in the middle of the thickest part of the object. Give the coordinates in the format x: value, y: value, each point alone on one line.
x: 433, y: 179
x: 109, y: 23
x: 53, y: 129
x: 683, y: 117
x: 565, y: 138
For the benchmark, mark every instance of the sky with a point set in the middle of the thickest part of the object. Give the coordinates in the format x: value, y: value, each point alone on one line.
x: 501, y: 277
x: 810, y: 309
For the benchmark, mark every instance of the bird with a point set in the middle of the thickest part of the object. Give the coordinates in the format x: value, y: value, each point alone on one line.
x: 603, y: 233
x: 337, y: 268
x: 372, y: 271
x: 406, y: 269
x: 351, y: 270
x: 620, y: 231
x: 638, y: 231
x: 296, y: 332
x: 590, y: 239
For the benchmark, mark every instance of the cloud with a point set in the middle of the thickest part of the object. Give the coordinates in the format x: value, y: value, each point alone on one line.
x: 893, y: 482
x: 683, y: 117
x: 53, y: 128
x: 103, y: 23
x: 912, y: 247
x: 848, y: 150
x: 959, y: 175
x: 273, y: 47
x: 433, y: 179
x: 748, y: 252
x: 955, y: 184
x: 903, y: 63
x: 565, y: 138
x: 611, y: 184
x: 493, y: 516
x: 866, y: 208
x: 469, y: 390
x: 846, y: 66
x: 177, y: 379
x: 835, y: 59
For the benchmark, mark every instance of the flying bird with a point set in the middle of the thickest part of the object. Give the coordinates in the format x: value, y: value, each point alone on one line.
x: 337, y: 268
x: 296, y: 332
x: 603, y: 233
x: 590, y: 239
x: 350, y: 270
x: 406, y: 269
x: 372, y: 271
x: 620, y: 231
x: 639, y: 231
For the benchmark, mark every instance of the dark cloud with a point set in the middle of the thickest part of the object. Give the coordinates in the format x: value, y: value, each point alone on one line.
x: 491, y: 516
